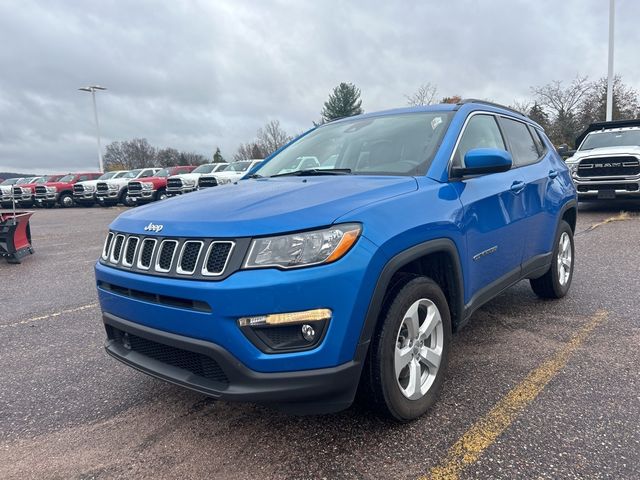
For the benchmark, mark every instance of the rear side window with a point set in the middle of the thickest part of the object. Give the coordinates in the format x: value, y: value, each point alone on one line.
x: 537, y: 140
x: 523, y: 149
x: 481, y: 131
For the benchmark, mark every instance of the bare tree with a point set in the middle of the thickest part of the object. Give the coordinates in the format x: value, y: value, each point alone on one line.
x: 425, y: 95
x: 114, y: 157
x: 522, y: 106
x: 247, y: 151
x: 625, y: 102
x: 192, y: 158
x: 562, y: 104
x: 452, y: 99
x: 136, y: 153
x: 272, y: 137
x: 167, y: 157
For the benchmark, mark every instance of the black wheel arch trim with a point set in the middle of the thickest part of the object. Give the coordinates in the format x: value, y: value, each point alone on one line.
x: 440, y: 245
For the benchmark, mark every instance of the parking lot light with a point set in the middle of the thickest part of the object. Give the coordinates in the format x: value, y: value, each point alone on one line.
x: 92, y: 89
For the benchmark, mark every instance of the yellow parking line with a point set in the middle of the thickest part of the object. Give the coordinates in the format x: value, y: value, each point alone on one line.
x: 468, y: 449
x: 51, y: 315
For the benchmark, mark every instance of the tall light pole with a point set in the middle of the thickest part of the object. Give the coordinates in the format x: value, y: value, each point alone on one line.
x: 612, y: 11
x: 92, y: 89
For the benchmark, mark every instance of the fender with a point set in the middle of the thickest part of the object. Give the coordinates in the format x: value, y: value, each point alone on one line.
x: 393, y: 265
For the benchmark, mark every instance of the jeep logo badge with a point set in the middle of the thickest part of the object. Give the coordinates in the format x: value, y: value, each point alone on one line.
x: 152, y: 227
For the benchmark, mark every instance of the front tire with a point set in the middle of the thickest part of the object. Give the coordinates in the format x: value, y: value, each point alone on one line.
x: 66, y: 200
x: 410, y: 350
x: 556, y: 282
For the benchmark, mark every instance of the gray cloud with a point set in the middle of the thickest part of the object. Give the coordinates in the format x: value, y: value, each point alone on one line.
x: 194, y: 75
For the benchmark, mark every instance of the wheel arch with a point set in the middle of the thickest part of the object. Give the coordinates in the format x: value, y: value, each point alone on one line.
x: 437, y: 258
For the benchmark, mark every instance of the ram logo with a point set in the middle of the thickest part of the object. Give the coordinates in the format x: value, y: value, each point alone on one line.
x: 152, y: 227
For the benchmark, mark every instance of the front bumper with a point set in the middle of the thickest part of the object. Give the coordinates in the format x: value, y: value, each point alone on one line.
x: 141, y: 195
x: 101, y: 196
x: 607, y: 189
x: 49, y: 197
x: 180, y: 191
x: 84, y: 197
x: 208, y: 368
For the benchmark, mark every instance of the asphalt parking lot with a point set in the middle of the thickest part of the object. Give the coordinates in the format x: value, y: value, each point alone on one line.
x: 535, y: 389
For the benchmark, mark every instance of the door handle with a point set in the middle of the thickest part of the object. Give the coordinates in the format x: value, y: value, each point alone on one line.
x: 517, y: 187
x: 553, y: 174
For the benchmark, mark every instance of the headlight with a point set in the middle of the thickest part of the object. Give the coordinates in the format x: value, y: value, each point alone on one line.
x: 112, y: 186
x: 304, y: 248
x: 573, y: 168
x: 223, y: 180
x: 52, y: 189
x: 147, y: 186
x: 89, y: 188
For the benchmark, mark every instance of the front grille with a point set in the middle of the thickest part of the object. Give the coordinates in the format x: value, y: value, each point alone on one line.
x: 189, y: 257
x: 204, y: 182
x: 40, y: 190
x: 102, y: 187
x: 135, y: 186
x: 17, y: 191
x: 629, y: 187
x: 165, y: 257
x: 167, y: 300
x: 130, y: 251
x: 217, y: 258
x: 78, y: 188
x: 609, y: 167
x: 174, y: 183
x: 195, y: 363
x: 186, y: 257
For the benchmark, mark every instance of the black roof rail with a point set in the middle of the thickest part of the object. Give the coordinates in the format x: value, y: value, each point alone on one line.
x: 464, y: 101
x: 595, y: 126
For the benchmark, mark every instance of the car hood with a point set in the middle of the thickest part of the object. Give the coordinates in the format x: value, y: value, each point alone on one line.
x: 91, y: 182
x: 263, y: 206
x: 55, y: 184
x: 188, y: 176
x: 607, y: 151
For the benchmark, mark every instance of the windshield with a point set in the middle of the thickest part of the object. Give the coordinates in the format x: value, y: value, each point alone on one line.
x: 220, y: 167
x: 66, y: 178
x: 10, y: 181
x: 131, y: 173
x: 204, y: 169
x: 53, y: 178
x: 22, y: 181
x: 163, y: 173
x: 238, y: 167
x: 402, y: 144
x: 620, y: 138
x: 107, y: 176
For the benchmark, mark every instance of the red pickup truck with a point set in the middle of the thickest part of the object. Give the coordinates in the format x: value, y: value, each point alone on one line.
x: 60, y: 191
x: 155, y: 188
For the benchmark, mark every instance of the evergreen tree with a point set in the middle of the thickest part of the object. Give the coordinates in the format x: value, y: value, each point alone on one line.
x: 344, y: 101
x: 217, y: 157
x: 538, y: 115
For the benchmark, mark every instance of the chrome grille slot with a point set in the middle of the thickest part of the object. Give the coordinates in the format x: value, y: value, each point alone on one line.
x: 189, y: 257
x: 107, y: 246
x: 146, y: 253
x: 130, y: 251
x: 217, y: 258
x: 166, y: 252
x: 117, y: 249
x: 135, y: 186
x: 78, y: 188
x: 102, y: 187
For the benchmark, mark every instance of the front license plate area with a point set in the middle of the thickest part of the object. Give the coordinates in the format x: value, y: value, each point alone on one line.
x: 606, y: 194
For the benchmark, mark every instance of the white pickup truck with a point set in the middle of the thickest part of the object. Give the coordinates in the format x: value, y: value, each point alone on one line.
x: 188, y: 182
x: 112, y: 191
x: 235, y: 171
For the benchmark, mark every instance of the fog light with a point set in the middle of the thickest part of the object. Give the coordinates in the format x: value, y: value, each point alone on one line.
x: 308, y: 332
x: 284, y: 318
x: 286, y: 332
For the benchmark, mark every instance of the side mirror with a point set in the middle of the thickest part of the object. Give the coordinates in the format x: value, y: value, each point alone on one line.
x: 564, y: 151
x: 479, y: 161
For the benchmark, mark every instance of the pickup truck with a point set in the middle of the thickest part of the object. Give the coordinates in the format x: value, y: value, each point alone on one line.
x: 235, y: 171
x: 188, y: 182
x: 301, y: 287
x: 115, y: 190
x: 84, y: 193
x: 6, y: 190
x: 154, y: 188
x: 60, y: 191
x: 606, y: 164
x: 23, y: 193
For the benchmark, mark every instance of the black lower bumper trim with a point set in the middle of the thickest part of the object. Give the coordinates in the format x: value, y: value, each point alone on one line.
x: 317, y: 391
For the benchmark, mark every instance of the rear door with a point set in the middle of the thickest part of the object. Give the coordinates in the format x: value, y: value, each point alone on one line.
x: 529, y: 159
x: 493, y: 211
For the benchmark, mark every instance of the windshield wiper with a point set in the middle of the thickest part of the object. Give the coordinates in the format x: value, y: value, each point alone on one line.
x: 254, y: 175
x: 314, y: 171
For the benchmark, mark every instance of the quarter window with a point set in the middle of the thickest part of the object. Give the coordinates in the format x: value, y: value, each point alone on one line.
x: 481, y: 132
x: 523, y: 149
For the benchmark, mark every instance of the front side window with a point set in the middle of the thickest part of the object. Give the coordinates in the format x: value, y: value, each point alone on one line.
x: 107, y: 176
x: 163, y: 173
x: 10, y: 181
x: 523, y: 149
x: 238, y: 167
x: 67, y: 178
x: 402, y: 144
x: 620, y: 138
x: 481, y: 131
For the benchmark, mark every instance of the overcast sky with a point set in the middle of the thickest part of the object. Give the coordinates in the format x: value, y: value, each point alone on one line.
x: 200, y: 74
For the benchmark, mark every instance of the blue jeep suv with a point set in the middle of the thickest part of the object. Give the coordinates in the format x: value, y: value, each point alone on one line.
x: 344, y: 262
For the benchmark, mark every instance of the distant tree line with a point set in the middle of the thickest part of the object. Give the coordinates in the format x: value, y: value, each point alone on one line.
x: 139, y: 153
